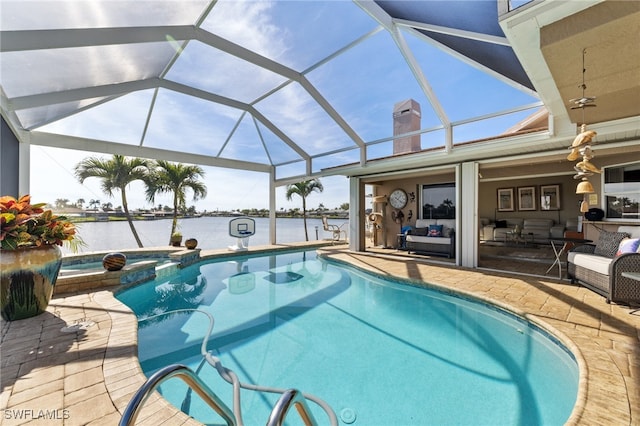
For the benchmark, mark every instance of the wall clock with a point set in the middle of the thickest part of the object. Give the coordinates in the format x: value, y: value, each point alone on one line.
x: 398, y: 199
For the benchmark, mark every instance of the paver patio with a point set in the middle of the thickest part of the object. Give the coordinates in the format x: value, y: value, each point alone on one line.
x: 76, y: 364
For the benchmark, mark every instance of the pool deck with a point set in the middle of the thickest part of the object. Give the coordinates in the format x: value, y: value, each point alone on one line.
x: 77, y: 365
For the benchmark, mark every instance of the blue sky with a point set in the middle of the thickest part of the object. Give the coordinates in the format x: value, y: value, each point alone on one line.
x: 362, y: 84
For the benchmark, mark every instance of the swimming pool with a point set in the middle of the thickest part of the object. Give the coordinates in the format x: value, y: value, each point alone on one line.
x: 379, y: 352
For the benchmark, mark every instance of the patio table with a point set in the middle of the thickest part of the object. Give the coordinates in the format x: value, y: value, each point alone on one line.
x: 559, y: 252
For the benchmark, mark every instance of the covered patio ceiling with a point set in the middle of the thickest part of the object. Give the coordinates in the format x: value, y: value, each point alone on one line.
x: 294, y: 88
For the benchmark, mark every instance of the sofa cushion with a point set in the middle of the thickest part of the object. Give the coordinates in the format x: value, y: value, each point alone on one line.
x: 428, y: 240
x: 538, y: 223
x: 628, y: 245
x: 487, y: 232
x: 539, y: 229
x: 449, y: 226
x: 446, y: 226
x: 512, y: 223
x: 501, y: 223
x: 424, y: 223
x: 599, y: 264
x: 608, y: 243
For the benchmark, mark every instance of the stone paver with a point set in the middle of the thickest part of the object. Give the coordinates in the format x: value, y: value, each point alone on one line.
x: 88, y: 375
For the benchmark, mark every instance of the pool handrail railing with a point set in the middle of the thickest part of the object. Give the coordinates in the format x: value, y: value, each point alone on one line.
x: 288, y: 396
x: 190, y: 378
x: 292, y: 397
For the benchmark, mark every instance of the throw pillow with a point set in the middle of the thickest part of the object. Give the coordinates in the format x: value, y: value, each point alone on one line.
x: 435, y: 230
x: 628, y: 245
x: 501, y: 223
x: 608, y: 243
x: 421, y: 232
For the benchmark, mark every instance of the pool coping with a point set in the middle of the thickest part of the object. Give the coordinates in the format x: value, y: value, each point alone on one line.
x: 608, y: 390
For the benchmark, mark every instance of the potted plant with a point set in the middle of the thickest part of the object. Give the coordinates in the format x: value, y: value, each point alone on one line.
x: 30, y: 258
x: 176, y: 239
x: 191, y: 243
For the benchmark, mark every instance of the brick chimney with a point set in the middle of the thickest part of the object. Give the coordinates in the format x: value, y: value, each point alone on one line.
x: 406, y: 118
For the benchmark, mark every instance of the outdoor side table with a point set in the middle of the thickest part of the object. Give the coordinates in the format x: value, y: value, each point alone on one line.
x: 560, y: 251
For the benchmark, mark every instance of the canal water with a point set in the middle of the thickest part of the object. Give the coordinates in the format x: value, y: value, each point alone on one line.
x: 211, y: 232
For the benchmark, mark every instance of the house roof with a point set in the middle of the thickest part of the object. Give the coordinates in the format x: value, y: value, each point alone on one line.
x: 300, y: 87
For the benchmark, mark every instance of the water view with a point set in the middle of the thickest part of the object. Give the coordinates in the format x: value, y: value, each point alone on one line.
x: 211, y: 232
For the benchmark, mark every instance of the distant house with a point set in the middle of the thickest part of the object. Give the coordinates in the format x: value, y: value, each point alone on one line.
x: 70, y: 212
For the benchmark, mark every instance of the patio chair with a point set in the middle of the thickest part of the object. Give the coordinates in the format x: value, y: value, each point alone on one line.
x: 334, y: 229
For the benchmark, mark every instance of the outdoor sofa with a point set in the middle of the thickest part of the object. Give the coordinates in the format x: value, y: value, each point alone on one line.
x: 533, y: 230
x: 599, y: 266
x: 432, y: 236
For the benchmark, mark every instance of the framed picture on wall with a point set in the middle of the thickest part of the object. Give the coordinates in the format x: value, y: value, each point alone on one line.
x: 549, y: 197
x: 505, y: 200
x: 527, y: 198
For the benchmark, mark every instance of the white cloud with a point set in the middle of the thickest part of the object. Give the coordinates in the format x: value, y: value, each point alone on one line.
x: 249, y: 24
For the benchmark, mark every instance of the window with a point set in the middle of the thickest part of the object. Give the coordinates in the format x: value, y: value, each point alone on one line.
x: 622, y: 191
x: 439, y: 201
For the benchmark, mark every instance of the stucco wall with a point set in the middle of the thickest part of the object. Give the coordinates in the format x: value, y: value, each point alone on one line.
x: 569, y: 201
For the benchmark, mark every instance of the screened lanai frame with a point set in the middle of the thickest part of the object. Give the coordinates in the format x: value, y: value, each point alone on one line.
x: 99, y: 60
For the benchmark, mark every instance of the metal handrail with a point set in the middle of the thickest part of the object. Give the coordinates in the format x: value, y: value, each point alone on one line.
x: 289, y: 398
x: 190, y: 378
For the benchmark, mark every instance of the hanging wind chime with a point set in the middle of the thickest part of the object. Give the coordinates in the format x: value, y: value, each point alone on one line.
x: 581, y: 146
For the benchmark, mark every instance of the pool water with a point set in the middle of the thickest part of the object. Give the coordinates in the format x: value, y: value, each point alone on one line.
x: 379, y: 352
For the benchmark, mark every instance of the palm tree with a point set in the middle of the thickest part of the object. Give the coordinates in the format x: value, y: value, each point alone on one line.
x: 175, y: 178
x: 448, y: 204
x: 62, y: 203
x: 116, y: 174
x: 428, y: 207
x: 304, y: 189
